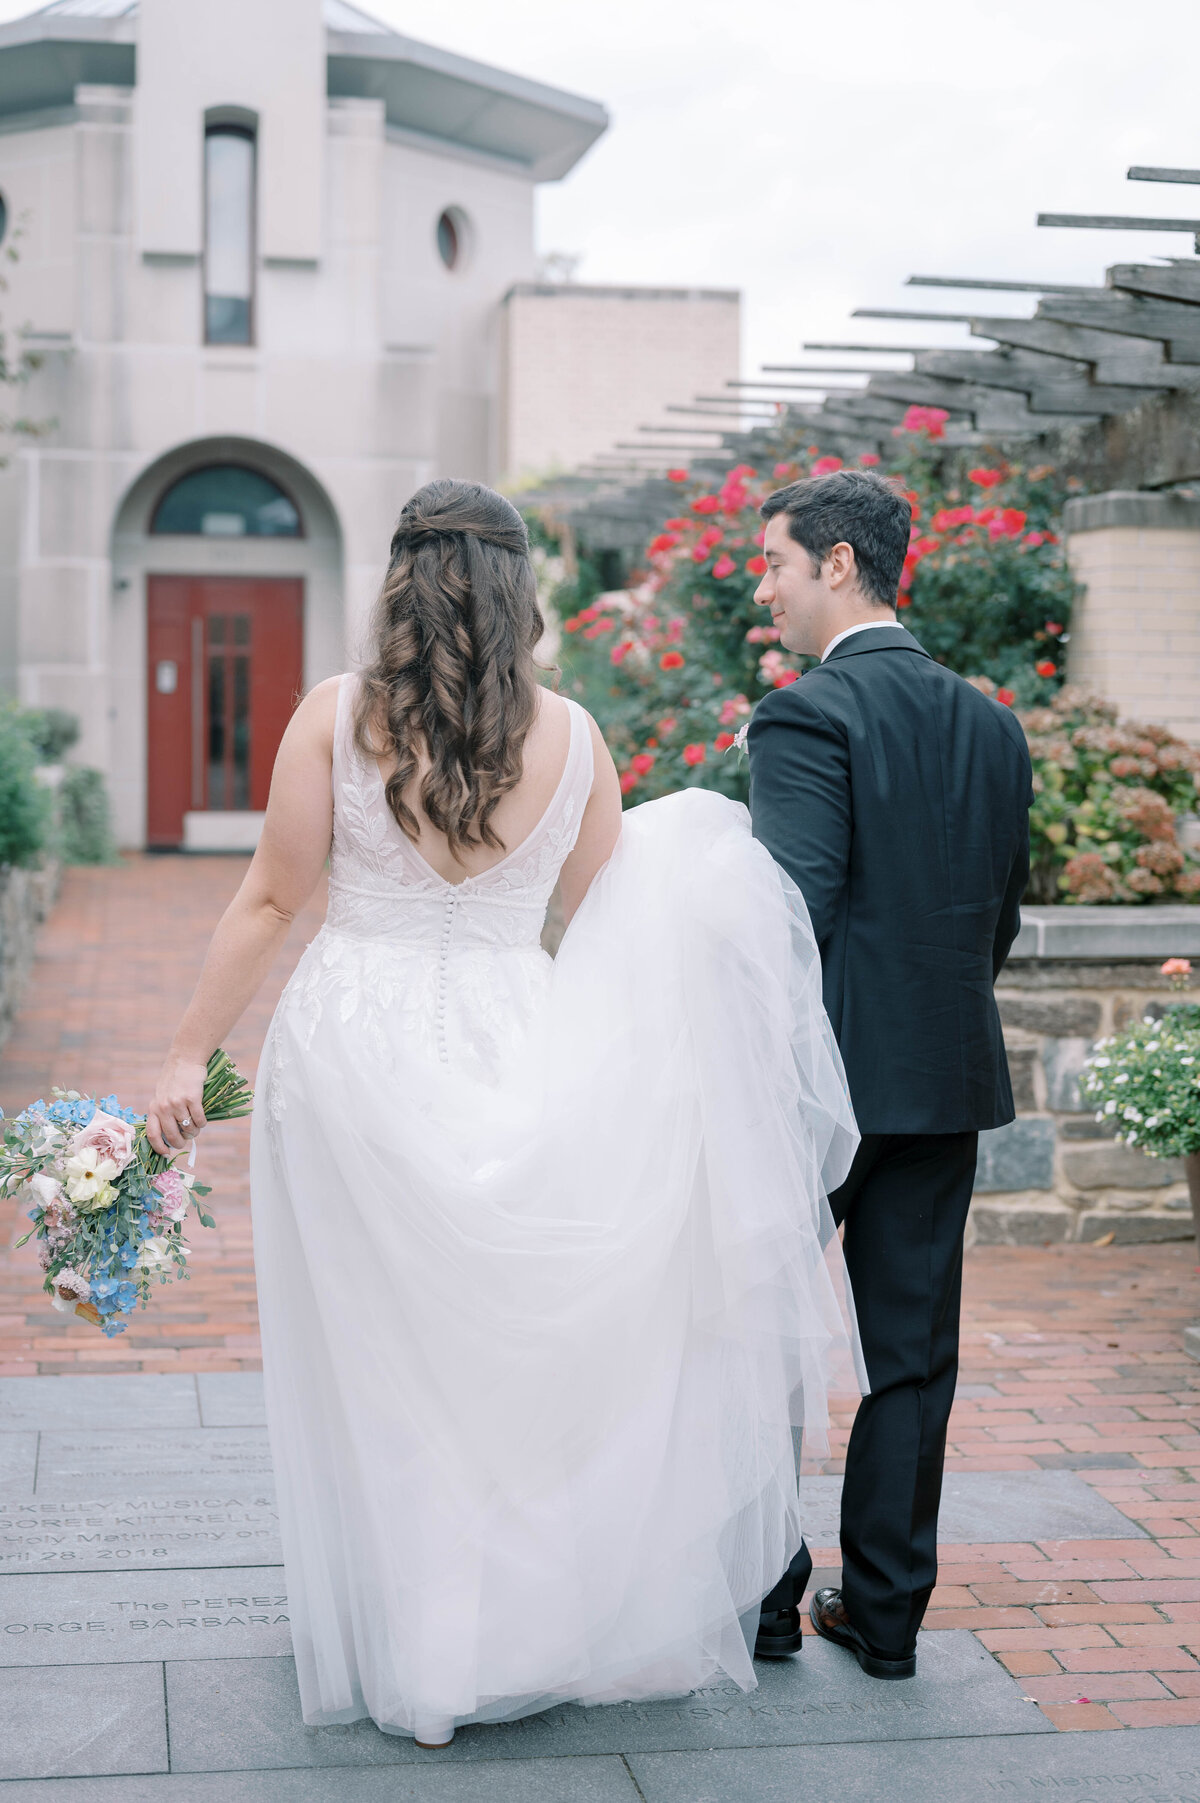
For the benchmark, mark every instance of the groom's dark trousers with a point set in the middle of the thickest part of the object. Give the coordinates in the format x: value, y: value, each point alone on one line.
x: 896, y: 795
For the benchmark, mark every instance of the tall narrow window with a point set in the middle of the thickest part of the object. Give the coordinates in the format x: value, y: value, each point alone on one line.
x: 228, y: 235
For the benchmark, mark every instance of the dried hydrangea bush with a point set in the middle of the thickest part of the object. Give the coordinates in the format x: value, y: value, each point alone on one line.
x: 1108, y: 794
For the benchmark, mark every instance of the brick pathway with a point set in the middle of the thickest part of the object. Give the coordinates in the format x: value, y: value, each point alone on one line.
x: 1072, y: 1355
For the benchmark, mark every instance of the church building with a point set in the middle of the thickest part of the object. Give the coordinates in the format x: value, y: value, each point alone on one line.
x: 261, y: 251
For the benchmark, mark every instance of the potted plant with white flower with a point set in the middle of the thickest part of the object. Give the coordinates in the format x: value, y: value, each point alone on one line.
x: 1145, y: 1083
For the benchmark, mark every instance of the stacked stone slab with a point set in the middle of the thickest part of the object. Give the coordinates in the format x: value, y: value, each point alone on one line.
x: 1076, y: 975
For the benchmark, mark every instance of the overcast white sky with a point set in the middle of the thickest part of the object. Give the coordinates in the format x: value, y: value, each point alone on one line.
x: 814, y: 155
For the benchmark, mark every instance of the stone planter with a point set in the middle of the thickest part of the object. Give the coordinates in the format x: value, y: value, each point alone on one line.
x: 1055, y: 1174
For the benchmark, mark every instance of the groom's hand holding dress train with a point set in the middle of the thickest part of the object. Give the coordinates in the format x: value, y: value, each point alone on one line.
x: 896, y: 795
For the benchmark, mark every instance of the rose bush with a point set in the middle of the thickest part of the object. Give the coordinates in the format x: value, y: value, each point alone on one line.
x: 672, y: 666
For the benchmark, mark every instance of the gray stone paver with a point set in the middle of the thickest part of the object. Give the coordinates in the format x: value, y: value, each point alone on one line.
x: 231, y: 1398
x: 237, y: 1717
x: 511, y: 1781
x: 93, y: 1719
x: 145, y: 1651
x: 1142, y: 1765
x: 99, y: 1402
x: 997, y: 1506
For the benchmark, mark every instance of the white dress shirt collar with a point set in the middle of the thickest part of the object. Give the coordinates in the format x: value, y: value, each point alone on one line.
x: 863, y: 626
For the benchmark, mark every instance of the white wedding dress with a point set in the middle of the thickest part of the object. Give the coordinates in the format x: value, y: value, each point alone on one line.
x: 545, y: 1267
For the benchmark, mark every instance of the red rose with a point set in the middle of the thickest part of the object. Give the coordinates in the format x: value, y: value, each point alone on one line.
x: 785, y: 678
x: 985, y: 478
x: 783, y: 471
x: 1053, y: 626
x: 628, y: 781
x: 694, y: 754
x: 643, y: 763
x: 671, y: 660
x: 707, y: 504
x: 663, y: 542
x: 757, y: 566
x: 1045, y: 668
x: 825, y: 466
x: 677, y: 475
x: 724, y: 566
x: 1005, y: 696
x: 620, y: 652
x: 723, y: 741
x: 1014, y: 520
x: 868, y: 458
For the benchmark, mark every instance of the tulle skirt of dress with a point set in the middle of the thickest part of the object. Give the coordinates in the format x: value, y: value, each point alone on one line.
x: 535, y: 1336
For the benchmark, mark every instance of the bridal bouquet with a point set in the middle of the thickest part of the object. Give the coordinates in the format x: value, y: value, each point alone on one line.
x: 108, y: 1210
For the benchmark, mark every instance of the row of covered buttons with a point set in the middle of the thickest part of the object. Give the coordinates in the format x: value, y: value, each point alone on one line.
x: 443, y: 956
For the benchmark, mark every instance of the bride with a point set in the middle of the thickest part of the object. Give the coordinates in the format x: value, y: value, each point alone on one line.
x: 545, y: 1268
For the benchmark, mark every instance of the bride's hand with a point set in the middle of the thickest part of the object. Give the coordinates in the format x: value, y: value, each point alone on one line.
x: 176, y: 1114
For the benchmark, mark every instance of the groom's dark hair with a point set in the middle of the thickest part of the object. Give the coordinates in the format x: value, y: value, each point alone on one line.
x: 853, y: 507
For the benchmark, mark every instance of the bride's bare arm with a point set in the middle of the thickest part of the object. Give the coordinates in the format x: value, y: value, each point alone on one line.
x: 283, y: 874
x: 600, y: 830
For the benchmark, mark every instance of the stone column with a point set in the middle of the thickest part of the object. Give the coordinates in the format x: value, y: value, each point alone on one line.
x: 1135, y: 633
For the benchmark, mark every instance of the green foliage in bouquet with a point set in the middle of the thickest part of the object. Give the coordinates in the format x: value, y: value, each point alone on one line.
x: 672, y: 666
x: 1107, y: 794
x: 1145, y: 1081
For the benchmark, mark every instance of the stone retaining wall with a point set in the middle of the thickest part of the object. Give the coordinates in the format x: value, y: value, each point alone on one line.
x: 1056, y: 1173
x: 26, y: 897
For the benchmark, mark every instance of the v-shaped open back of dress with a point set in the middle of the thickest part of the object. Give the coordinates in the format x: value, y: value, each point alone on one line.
x: 545, y: 1267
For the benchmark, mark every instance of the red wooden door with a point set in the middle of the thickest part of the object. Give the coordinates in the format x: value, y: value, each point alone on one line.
x: 225, y: 667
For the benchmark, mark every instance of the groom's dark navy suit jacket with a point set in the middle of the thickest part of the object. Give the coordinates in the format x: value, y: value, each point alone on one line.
x: 896, y: 795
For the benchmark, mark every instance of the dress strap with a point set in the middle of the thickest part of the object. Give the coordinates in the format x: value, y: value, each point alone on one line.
x: 344, y: 753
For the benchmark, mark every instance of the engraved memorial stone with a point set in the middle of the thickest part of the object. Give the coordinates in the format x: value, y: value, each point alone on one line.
x: 94, y: 1618
x: 89, y: 1464
x: 203, y: 1525
x: 223, y: 1719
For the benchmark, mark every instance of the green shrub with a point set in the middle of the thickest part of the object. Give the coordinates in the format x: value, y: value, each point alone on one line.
x: 24, y: 807
x: 84, y: 828
x: 1106, y: 797
x: 51, y: 731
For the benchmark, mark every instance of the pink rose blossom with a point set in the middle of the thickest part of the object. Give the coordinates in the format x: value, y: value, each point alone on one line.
x: 105, y: 1136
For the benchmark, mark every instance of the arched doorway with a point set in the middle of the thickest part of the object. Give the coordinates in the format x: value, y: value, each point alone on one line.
x: 227, y: 562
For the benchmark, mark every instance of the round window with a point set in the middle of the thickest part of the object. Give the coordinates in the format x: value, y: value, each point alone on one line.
x: 452, y: 231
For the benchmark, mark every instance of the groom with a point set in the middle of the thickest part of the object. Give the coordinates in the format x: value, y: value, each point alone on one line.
x: 896, y: 795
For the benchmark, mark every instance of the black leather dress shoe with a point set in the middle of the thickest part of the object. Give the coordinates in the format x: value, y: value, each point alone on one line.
x: 829, y: 1618
x: 779, y: 1634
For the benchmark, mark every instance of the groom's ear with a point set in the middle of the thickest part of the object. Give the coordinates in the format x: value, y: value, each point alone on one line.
x: 841, y: 566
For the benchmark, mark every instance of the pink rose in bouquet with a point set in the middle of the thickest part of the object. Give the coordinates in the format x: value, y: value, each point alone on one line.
x: 106, y: 1136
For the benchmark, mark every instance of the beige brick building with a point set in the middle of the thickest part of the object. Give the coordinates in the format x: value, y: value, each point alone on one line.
x: 583, y: 368
x: 1136, y: 629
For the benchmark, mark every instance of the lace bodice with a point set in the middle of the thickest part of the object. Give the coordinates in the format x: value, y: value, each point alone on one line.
x: 380, y: 886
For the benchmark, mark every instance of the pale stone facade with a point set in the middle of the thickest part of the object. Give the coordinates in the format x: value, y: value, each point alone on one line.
x: 390, y: 213
x: 585, y: 367
x: 1135, y: 632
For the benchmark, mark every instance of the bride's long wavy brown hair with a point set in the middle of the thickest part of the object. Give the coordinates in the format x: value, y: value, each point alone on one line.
x: 452, y: 667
